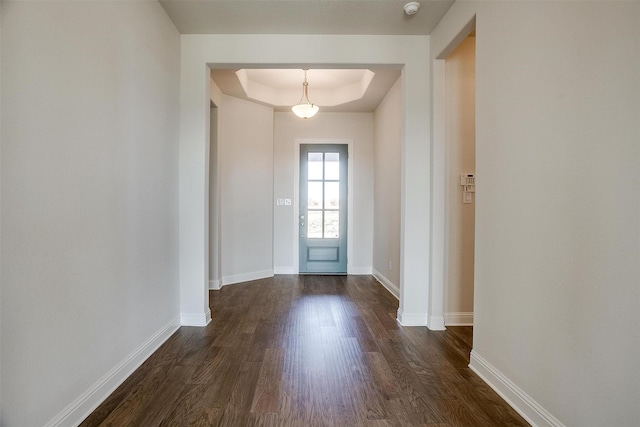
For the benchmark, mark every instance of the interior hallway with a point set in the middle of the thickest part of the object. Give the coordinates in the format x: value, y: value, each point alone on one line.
x: 307, y: 351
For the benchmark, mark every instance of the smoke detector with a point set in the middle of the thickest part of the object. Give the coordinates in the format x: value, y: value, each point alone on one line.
x: 411, y: 8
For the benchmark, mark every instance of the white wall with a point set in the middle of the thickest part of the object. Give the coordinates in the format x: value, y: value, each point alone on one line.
x: 200, y: 51
x: 89, y: 201
x: 461, y: 158
x: 245, y: 152
x: 357, y: 127
x: 389, y: 129
x: 556, y: 273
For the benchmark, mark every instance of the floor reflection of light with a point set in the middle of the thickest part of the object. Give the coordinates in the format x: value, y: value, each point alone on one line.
x: 324, y: 342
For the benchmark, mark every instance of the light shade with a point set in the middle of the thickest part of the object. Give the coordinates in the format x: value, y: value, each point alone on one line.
x: 305, y: 111
x: 305, y: 108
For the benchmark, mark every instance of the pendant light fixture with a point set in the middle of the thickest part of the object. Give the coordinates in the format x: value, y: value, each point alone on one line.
x: 305, y: 109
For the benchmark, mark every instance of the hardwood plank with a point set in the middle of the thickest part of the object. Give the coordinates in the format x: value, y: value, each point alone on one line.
x: 458, y: 413
x: 416, y: 398
x: 211, y: 368
x: 344, y: 400
x: 144, y: 391
x: 310, y: 401
x: 202, y: 417
x: 251, y: 319
x: 370, y: 401
x: 162, y: 403
x: 192, y: 406
x: 267, y: 393
x: 237, y: 410
x: 387, y: 382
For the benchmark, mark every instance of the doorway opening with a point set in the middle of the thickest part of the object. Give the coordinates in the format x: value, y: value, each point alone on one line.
x: 448, y: 103
x: 460, y: 184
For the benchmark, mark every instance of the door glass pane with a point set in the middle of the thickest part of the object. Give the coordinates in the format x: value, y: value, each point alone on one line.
x: 332, y: 166
x: 332, y: 195
x: 315, y: 195
x: 331, y: 224
x: 314, y: 229
x: 314, y: 165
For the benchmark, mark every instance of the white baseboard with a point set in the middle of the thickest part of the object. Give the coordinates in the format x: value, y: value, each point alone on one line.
x: 246, y: 277
x: 195, y: 319
x: 388, y: 284
x: 530, y: 410
x: 359, y: 271
x: 412, y: 319
x: 88, y: 401
x: 214, y: 285
x: 458, y: 318
x: 436, y: 323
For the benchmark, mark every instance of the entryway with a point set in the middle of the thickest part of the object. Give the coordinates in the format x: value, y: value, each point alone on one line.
x: 322, y: 217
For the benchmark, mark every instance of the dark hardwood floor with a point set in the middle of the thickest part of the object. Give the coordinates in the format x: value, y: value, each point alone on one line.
x: 307, y: 351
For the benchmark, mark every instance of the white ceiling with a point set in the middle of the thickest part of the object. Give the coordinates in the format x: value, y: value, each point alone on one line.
x: 286, y: 79
x: 326, y: 87
x: 383, y: 17
x: 303, y: 16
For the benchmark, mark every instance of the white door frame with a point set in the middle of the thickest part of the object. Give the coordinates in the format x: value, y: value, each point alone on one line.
x: 296, y: 197
x: 438, y: 225
x: 200, y: 52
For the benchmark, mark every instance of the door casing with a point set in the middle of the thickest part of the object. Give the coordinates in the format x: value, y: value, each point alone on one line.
x: 325, y: 245
x: 296, y: 198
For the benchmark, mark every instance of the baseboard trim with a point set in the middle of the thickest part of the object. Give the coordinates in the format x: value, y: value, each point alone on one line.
x: 214, y: 285
x: 246, y: 277
x: 458, y: 319
x: 195, y: 319
x: 388, y: 284
x: 359, y: 271
x: 88, y: 401
x: 283, y: 270
x: 412, y: 319
x: 436, y: 323
x: 530, y: 410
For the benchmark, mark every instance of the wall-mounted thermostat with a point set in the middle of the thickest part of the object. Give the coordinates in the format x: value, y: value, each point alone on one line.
x: 468, y: 183
x: 468, y: 179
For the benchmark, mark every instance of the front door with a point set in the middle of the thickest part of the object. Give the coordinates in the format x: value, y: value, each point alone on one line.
x: 323, y: 208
